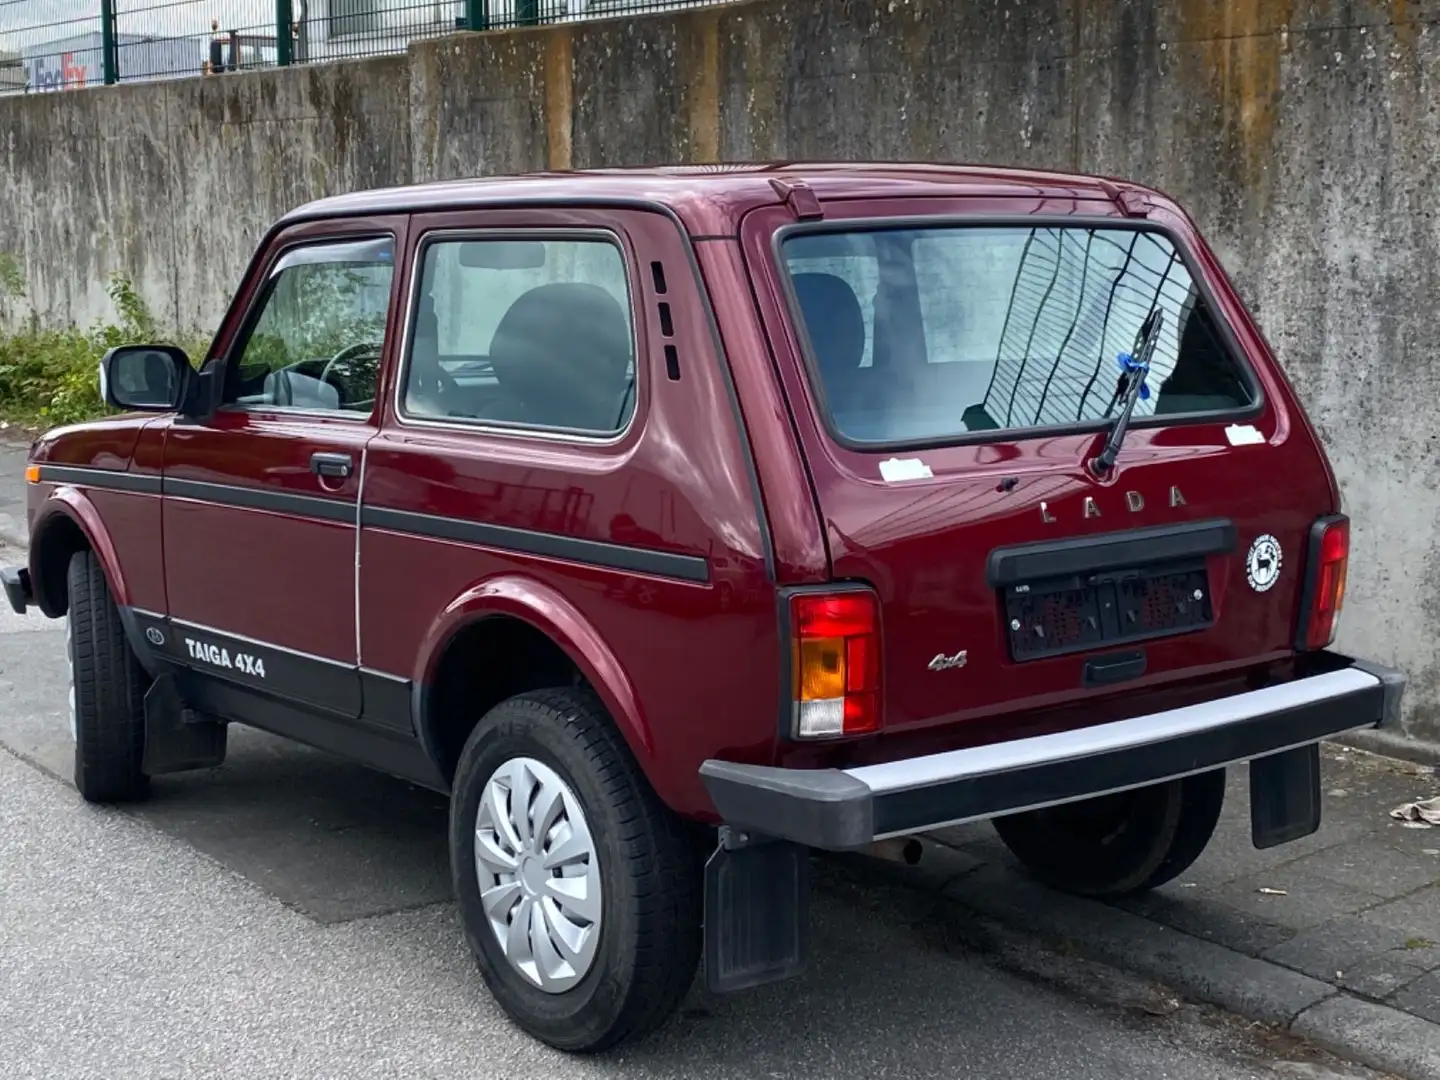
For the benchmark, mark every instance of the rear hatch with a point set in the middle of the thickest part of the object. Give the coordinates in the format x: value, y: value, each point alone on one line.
x: 952, y: 368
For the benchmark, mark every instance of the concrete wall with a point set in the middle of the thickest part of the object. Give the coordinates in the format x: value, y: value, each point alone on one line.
x: 1304, y: 135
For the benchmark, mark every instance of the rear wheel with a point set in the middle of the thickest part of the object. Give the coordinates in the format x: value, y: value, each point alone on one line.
x: 107, y: 690
x: 578, y: 889
x: 1118, y: 844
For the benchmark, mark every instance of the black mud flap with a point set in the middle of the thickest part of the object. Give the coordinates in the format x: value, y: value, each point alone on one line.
x: 176, y: 737
x: 757, y: 912
x: 1285, y: 796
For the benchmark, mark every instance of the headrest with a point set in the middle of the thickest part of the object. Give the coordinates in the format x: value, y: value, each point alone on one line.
x: 565, y: 349
x: 835, y: 320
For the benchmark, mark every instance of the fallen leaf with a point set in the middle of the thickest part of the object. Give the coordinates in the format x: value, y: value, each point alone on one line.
x: 1424, y: 810
x: 1337, y: 793
x: 1272, y: 892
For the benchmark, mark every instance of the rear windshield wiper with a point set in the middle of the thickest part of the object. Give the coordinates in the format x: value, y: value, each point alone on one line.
x: 1134, y: 369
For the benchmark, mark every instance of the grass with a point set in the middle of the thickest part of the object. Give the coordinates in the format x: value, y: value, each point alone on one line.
x: 52, y: 377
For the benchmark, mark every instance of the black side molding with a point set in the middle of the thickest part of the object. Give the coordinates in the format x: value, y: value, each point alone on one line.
x: 1109, y: 551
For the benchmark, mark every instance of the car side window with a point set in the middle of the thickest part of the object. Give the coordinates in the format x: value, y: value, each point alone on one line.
x: 316, y: 342
x: 525, y: 333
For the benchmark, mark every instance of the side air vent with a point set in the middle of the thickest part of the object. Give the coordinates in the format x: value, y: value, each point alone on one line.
x: 667, y: 324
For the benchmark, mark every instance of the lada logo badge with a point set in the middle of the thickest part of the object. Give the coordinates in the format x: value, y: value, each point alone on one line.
x: 1134, y: 502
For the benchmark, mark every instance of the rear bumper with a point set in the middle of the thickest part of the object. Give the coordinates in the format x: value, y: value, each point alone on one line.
x: 16, y: 580
x: 840, y: 809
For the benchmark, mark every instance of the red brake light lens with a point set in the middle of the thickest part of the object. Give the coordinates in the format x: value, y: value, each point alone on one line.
x: 1327, y: 584
x: 836, y: 661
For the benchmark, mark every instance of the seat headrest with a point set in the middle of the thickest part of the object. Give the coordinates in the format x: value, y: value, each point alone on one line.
x: 565, y: 350
x: 835, y: 320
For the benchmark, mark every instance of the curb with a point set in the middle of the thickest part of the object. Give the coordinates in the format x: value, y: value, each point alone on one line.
x: 1389, y: 744
x: 1352, y: 1027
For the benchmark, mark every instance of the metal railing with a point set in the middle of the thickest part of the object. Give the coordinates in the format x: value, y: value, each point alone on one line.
x: 48, y: 45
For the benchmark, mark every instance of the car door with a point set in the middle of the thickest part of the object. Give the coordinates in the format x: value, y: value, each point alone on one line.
x: 261, y: 498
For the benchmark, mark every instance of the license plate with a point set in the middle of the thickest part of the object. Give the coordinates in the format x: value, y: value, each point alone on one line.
x: 1086, y: 611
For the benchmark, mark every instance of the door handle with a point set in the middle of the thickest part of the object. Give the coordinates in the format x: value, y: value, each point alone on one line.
x: 338, y: 465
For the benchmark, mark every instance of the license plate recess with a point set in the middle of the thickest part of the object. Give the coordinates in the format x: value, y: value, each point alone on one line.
x: 1076, y: 612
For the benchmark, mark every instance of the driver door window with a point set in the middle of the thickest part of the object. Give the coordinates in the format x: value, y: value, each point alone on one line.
x: 316, y: 341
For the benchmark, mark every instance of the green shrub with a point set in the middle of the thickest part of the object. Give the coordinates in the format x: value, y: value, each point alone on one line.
x: 51, y: 377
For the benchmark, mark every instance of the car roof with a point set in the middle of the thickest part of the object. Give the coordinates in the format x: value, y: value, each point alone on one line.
x: 712, y: 198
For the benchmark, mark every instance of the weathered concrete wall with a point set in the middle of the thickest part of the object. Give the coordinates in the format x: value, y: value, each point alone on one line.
x: 172, y: 183
x: 1304, y: 136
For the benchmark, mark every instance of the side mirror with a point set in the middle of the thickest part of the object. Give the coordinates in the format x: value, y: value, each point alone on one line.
x: 149, y: 378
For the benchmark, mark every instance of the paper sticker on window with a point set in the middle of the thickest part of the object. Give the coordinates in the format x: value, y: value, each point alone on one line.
x: 896, y: 469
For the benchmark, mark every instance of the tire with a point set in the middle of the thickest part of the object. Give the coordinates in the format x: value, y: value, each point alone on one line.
x: 1121, y: 844
x: 640, y: 953
x: 107, y: 690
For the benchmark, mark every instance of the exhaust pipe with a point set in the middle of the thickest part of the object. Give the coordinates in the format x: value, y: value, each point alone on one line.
x: 901, y: 849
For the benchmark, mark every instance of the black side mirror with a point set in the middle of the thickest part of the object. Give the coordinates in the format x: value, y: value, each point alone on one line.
x: 149, y: 378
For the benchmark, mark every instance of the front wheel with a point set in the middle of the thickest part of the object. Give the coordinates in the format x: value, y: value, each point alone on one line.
x: 579, y: 891
x: 107, y: 690
x: 1120, y: 844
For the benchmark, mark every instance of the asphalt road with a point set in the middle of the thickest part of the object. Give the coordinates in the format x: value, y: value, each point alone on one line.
x: 288, y: 915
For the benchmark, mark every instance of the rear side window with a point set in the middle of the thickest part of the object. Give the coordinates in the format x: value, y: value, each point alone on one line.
x: 937, y: 333
x: 524, y: 333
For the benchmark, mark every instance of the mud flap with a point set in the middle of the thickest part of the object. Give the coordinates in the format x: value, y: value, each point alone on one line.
x: 178, y: 738
x: 757, y: 912
x: 1285, y: 796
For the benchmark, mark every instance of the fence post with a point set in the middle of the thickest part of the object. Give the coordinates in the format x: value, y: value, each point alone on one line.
x: 109, y: 48
x: 284, y: 40
x: 477, y: 14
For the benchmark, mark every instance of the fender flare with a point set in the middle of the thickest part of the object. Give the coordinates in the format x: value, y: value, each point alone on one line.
x: 72, y: 504
x: 545, y: 609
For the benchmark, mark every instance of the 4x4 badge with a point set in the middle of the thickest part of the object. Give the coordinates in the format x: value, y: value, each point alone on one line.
x: 945, y: 663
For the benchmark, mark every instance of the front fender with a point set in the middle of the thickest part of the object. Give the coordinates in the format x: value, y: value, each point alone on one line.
x: 68, y: 506
x: 547, y: 611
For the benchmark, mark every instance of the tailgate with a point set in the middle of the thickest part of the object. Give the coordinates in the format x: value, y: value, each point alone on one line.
x: 953, y: 378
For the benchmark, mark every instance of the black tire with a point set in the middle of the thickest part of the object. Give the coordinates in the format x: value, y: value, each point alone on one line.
x: 650, y: 873
x: 1121, y: 844
x: 109, y: 687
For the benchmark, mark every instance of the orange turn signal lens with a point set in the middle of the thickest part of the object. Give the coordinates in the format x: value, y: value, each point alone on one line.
x: 32, y: 474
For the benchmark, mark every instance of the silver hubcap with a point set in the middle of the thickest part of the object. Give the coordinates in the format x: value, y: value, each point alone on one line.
x: 70, y: 663
x: 539, y: 874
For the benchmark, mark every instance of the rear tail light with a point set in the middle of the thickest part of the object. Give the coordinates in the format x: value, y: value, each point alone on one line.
x: 836, y: 663
x: 1324, y: 588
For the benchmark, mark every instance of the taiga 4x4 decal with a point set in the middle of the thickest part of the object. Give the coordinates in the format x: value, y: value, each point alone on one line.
x: 219, y: 656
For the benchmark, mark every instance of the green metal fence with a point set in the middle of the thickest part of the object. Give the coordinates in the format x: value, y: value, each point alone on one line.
x: 50, y: 45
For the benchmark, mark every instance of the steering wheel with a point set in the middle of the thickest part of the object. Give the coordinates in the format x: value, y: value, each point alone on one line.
x: 345, y: 354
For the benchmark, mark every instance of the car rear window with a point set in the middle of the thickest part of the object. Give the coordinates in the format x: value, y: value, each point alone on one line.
x: 936, y: 333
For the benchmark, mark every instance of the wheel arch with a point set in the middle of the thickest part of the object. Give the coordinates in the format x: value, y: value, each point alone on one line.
x: 527, y: 619
x: 66, y: 523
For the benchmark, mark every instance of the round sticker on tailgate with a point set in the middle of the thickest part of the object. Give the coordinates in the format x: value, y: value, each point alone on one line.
x: 1262, y: 565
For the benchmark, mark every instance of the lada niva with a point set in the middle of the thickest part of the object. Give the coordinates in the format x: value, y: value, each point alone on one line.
x: 680, y: 522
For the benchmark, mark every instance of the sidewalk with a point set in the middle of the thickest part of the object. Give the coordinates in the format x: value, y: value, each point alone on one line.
x: 1335, y: 937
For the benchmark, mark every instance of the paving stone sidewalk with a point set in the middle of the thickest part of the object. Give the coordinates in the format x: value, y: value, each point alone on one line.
x: 1335, y: 937
x: 1356, y: 905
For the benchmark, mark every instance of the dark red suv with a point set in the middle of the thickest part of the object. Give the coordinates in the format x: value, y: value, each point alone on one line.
x: 676, y: 522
